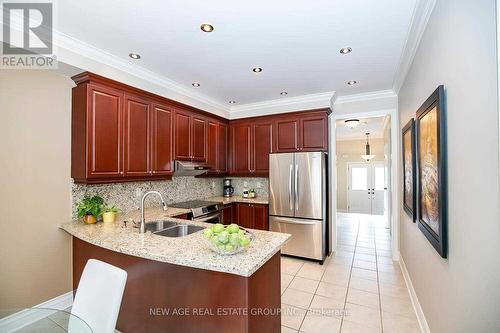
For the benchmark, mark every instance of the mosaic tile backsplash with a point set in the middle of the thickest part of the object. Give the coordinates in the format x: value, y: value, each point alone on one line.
x: 127, y: 196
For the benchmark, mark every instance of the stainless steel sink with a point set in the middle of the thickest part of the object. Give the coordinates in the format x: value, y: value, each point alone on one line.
x: 159, y: 225
x: 179, y: 230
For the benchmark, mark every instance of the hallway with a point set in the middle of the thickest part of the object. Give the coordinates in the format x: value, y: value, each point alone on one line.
x: 358, y: 290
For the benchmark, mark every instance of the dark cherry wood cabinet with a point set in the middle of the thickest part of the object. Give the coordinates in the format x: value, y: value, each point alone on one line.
x: 162, y: 126
x: 136, y: 139
x: 120, y: 133
x: 251, y: 144
x: 306, y: 131
x: 190, y: 137
x: 253, y: 216
x: 217, y: 148
x: 228, y: 214
x: 286, y: 137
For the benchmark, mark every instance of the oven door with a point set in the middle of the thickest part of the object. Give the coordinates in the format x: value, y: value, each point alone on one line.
x: 210, y: 218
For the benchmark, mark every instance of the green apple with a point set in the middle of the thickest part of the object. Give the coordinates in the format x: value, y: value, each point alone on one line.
x: 217, y: 228
x: 229, y: 248
x: 244, y: 241
x: 223, y: 237
x: 234, y: 239
x: 233, y: 228
x: 208, y: 232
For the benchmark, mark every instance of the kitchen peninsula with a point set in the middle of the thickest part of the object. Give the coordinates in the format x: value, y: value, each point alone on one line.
x: 178, y: 284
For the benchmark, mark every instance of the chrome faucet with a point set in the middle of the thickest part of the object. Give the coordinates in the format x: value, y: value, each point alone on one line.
x: 142, y: 229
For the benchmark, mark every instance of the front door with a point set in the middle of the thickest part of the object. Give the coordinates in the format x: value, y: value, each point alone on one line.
x: 366, y: 188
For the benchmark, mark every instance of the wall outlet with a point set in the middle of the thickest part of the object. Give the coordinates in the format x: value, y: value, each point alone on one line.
x: 138, y: 193
x: 213, y: 184
x: 259, y: 185
x: 245, y: 184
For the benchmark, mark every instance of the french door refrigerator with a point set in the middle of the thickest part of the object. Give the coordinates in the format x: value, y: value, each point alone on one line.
x: 297, y: 202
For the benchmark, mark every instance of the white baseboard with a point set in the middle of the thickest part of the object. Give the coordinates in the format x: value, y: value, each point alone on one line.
x: 424, y: 327
x: 26, y: 317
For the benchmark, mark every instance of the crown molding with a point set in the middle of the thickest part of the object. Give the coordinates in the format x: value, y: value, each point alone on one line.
x: 420, y: 18
x: 365, y: 96
x: 282, y: 105
x: 79, y: 48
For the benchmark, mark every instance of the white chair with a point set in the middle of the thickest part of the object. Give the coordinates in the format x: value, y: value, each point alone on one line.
x: 98, y: 297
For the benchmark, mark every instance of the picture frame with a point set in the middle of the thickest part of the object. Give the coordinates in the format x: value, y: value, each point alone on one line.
x: 432, y: 202
x: 409, y: 170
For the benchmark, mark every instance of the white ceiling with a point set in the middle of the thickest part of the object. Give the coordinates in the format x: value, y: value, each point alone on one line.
x: 373, y: 125
x: 296, y: 42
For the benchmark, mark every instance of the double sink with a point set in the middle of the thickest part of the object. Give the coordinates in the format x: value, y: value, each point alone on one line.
x: 171, y: 229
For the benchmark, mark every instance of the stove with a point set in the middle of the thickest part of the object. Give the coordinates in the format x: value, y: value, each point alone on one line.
x: 202, y: 211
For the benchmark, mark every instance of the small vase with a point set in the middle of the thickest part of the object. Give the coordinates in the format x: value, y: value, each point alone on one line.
x: 109, y: 217
x: 89, y: 219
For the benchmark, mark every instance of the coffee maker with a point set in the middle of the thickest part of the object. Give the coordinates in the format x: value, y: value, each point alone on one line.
x: 228, y: 189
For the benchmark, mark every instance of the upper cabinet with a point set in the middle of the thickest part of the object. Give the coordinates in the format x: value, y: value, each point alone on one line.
x: 306, y: 131
x: 120, y: 133
x: 217, y: 147
x: 191, y: 137
x: 250, y: 147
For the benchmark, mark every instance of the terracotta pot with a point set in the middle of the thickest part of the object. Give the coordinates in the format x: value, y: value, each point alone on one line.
x: 109, y: 217
x: 89, y: 219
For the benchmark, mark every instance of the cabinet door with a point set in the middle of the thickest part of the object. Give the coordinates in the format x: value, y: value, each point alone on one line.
x: 104, y: 136
x: 245, y: 215
x: 182, y: 136
x: 212, y: 146
x: 240, y: 148
x: 161, y: 140
x: 199, y: 140
x: 227, y: 214
x: 261, y: 147
x: 261, y: 217
x: 286, y: 135
x: 136, y: 136
x: 222, y: 150
x: 313, y: 133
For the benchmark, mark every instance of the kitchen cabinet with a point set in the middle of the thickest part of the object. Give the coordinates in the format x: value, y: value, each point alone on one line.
x: 251, y: 143
x: 190, y: 137
x: 136, y: 139
x: 253, y: 216
x: 304, y: 132
x: 217, y: 148
x: 96, y: 133
x: 228, y: 214
x: 118, y: 135
x: 161, y: 140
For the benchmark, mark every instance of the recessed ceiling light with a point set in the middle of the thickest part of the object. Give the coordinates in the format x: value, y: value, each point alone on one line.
x: 257, y: 69
x: 134, y: 56
x: 205, y: 27
x: 283, y: 93
x: 345, y: 50
x: 351, y: 83
x: 195, y: 84
x: 232, y: 102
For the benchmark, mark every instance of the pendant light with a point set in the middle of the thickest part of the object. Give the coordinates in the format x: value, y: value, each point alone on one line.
x: 368, y: 155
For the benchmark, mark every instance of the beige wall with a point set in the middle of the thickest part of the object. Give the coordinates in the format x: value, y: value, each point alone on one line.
x: 461, y: 293
x: 35, y: 192
x: 350, y: 151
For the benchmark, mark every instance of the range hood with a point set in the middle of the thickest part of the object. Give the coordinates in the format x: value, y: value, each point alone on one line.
x: 184, y: 168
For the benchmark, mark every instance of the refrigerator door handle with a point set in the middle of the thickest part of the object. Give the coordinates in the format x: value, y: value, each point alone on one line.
x: 290, y: 187
x: 294, y: 221
x: 296, y: 187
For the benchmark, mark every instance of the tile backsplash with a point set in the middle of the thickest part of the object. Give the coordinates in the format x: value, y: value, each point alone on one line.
x: 127, y: 196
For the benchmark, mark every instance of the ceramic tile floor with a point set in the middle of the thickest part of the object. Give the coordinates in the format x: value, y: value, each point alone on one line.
x: 359, y: 290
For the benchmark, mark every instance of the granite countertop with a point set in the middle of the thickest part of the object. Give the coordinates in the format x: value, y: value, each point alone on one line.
x: 190, y: 250
x: 238, y: 198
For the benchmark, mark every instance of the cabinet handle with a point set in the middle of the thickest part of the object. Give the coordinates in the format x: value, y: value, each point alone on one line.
x: 153, y: 171
x: 121, y: 172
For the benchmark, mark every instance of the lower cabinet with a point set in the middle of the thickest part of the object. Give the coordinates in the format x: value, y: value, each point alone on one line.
x: 253, y: 216
x: 227, y: 214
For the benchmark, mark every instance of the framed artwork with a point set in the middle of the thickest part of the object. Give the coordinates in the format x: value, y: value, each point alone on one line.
x: 432, y: 171
x: 409, y: 170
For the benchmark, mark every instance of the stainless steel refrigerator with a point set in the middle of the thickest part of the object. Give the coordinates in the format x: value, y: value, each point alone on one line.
x: 298, y: 202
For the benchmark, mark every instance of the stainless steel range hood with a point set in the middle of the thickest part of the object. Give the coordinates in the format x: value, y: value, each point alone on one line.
x: 184, y: 168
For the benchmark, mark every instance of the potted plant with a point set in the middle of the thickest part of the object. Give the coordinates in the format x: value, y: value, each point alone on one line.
x: 109, y: 214
x: 90, y: 208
